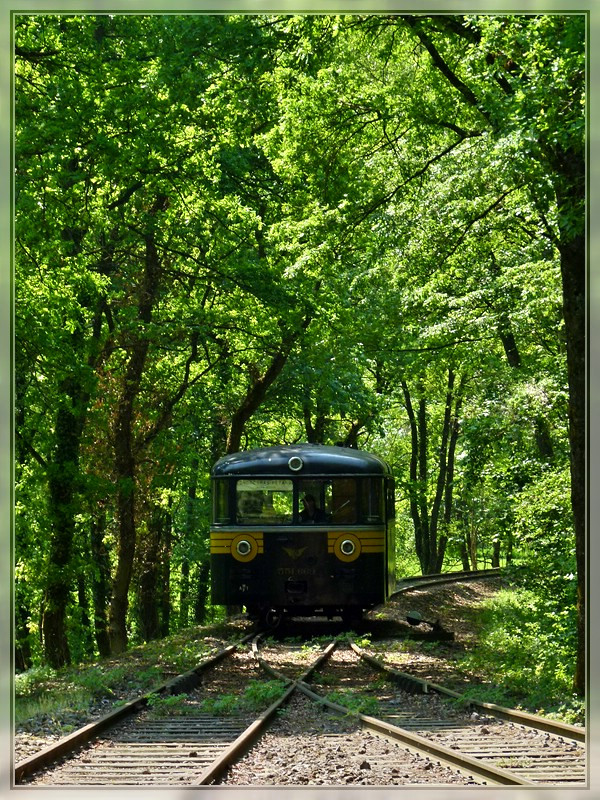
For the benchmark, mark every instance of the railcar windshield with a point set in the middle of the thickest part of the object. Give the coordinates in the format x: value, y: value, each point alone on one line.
x: 330, y: 500
x: 314, y: 500
x: 264, y: 502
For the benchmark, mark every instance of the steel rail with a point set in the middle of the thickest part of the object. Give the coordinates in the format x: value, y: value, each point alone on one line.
x: 244, y: 741
x: 417, y: 581
x: 420, y: 686
x: 72, y: 741
x: 247, y: 739
x: 419, y: 744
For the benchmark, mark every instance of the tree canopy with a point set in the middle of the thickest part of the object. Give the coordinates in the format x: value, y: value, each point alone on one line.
x: 236, y: 230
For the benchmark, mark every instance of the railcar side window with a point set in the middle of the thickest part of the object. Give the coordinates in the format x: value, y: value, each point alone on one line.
x: 391, y: 501
x: 372, y: 500
x: 220, y: 504
x: 264, y: 502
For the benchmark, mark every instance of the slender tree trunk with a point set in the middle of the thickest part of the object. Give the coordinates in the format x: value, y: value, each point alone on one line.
x: 496, y: 553
x: 473, y: 545
x: 351, y: 439
x: 63, y: 484
x: 63, y: 477
x: 572, y: 258
x: 464, y: 555
x: 86, y: 627
x: 191, y: 525
x: 125, y: 471
x: 257, y: 390
x: 201, y: 596
x: 125, y: 465
x: 430, y: 544
x: 315, y: 432
x: 421, y: 536
x: 254, y: 397
x: 436, y: 546
x: 22, y: 632
x: 449, y: 483
x: 165, y: 575
x: 100, y: 583
x: 149, y: 579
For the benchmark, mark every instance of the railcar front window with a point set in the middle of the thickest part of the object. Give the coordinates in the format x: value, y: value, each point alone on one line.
x: 264, y: 502
x: 333, y: 501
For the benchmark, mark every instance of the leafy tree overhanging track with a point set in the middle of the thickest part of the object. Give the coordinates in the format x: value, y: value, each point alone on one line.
x: 363, y: 228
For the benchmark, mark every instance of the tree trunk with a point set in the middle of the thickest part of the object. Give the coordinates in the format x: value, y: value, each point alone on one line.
x: 149, y: 579
x: 473, y: 546
x: 191, y: 524
x: 257, y: 390
x: 315, y: 433
x: 87, y: 645
x: 22, y: 632
x: 100, y: 583
x: 351, y: 438
x: 63, y: 476
x: 202, y: 573
x: 449, y: 483
x: 63, y: 484
x: 572, y: 259
x: 496, y: 553
x: 125, y: 465
x: 254, y: 397
x: 165, y: 575
x: 421, y: 533
x: 464, y: 555
x: 436, y: 545
x: 430, y: 545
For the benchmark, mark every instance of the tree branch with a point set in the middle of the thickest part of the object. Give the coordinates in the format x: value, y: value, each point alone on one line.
x: 443, y: 67
x: 31, y: 449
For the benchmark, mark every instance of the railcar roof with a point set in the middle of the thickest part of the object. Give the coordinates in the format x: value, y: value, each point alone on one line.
x: 316, y: 460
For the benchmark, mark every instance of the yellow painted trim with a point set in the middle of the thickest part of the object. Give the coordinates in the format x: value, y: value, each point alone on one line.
x: 222, y: 543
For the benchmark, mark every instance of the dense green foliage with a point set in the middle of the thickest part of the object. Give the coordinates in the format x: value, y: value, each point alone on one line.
x: 240, y: 230
x: 524, y: 655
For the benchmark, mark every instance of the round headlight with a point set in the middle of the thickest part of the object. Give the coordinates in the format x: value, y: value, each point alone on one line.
x: 347, y: 547
x: 295, y: 463
x: 243, y: 547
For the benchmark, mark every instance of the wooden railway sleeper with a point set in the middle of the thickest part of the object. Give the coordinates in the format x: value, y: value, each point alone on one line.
x: 410, y: 683
x: 419, y: 745
x: 413, y: 742
x: 73, y: 741
x: 246, y: 740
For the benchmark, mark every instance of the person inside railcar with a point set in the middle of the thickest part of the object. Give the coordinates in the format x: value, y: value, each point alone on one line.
x: 311, y: 512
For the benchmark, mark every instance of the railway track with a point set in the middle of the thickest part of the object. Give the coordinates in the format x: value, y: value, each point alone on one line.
x: 132, y: 746
x: 490, y: 745
x: 438, y: 579
x: 413, y: 737
x: 200, y: 748
x: 188, y: 747
x: 540, y: 750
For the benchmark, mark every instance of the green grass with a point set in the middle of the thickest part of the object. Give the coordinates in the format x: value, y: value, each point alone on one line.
x: 45, y: 692
x: 49, y: 705
x: 168, y: 706
x: 355, y: 703
x: 525, y: 656
x: 256, y: 696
